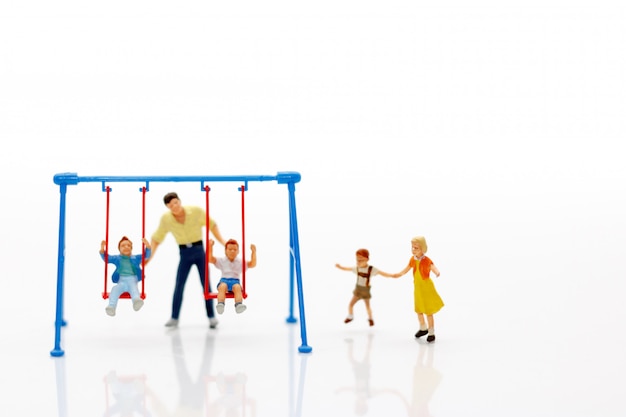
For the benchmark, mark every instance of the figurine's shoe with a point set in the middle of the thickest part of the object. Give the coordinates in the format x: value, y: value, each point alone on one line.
x: 240, y: 308
x: 348, y: 320
x: 110, y: 310
x: 213, y: 322
x: 171, y: 323
x: 430, y: 338
x: 371, y: 322
x: 137, y: 304
x: 421, y: 333
x: 219, y: 308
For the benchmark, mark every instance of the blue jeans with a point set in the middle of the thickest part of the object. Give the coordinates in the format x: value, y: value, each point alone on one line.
x: 188, y: 257
x: 126, y: 283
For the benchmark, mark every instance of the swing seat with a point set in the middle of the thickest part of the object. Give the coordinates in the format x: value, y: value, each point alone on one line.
x: 229, y: 294
x: 126, y: 295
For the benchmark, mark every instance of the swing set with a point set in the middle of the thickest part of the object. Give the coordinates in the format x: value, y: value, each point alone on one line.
x: 295, y: 281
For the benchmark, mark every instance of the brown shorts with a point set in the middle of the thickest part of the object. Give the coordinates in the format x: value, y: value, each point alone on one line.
x: 362, y: 292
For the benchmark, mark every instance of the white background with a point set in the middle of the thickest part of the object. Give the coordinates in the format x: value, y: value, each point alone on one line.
x: 493, y: 128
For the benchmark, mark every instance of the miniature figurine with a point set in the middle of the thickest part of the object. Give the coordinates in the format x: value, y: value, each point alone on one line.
x: 362, y: 289
x: 127, y: 273
x: 426, y: 299
x: 231, y: 267
x: 186, y: 223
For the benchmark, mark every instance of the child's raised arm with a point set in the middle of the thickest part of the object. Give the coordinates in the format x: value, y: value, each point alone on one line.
x: 252, y: 261
x: 211, y: 258
x: 343, y: 268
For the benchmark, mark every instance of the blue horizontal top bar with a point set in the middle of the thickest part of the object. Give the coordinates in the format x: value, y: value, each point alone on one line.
x: 281, y: 177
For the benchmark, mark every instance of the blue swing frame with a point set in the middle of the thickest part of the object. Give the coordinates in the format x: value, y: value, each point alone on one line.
x: 295, y: 272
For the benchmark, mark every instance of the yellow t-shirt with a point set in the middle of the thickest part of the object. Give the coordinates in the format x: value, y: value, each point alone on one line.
x: 188, y: 232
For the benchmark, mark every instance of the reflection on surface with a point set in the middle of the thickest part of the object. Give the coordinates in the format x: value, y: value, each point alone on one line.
x: 361, y: 369
x: 191, y: 392
x: 196, y: 390
x: 231, y: 399
x: 59, y: 371
x: 426, y: 379
x: 295, y: 404
x: 128, y: 395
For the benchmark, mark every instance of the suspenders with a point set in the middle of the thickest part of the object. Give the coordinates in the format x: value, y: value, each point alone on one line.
x: 365, y: 275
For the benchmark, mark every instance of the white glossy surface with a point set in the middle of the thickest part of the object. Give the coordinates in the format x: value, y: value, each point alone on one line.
x: 495, y: 129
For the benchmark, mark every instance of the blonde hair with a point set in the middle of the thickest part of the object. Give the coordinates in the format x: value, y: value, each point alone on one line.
x: 421, y: 241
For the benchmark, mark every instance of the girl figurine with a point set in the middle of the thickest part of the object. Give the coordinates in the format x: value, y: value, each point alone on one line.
x: 426, y: 299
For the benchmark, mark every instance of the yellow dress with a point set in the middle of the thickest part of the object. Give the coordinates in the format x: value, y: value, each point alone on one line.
x: 426, y: 298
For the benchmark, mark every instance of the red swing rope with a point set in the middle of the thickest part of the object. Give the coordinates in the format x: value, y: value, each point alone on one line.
x: 207, y: 293
x: 207, y: 222
x: 105, y: 294
x: 143, y: 247
x: 243, y: 244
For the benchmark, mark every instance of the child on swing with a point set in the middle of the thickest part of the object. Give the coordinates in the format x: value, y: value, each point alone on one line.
x: 231, y: 267
x: 127, y: 273
x: 362, y: 291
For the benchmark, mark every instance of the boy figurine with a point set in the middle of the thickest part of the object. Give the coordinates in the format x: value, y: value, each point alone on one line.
x: 362, y: 289
x: 231, y: 267
x: 127, y: 273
